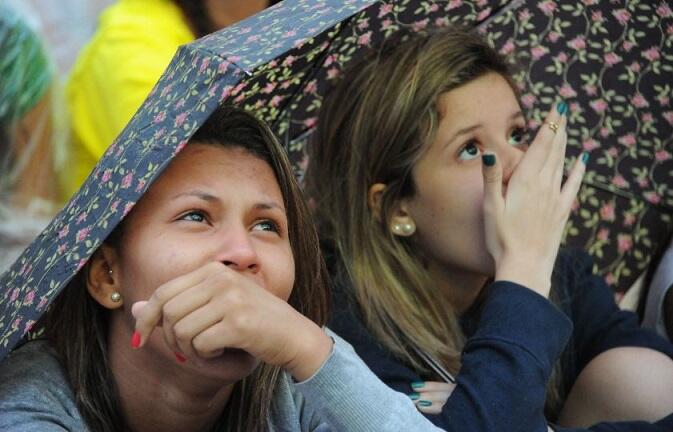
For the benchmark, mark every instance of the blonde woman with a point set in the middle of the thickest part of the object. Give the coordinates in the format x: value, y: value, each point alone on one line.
x: 443, y: 222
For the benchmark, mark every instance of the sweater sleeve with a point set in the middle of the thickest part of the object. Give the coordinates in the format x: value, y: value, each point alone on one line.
x: 346, y: 396
x: 505, y: 364
x: 34, y: 394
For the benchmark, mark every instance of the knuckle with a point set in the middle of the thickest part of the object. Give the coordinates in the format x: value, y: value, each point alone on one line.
x: 200, y: 344
x: 161, y: 294
x: 169, y: 313
x: 181, y: 332
x: 240, y: 323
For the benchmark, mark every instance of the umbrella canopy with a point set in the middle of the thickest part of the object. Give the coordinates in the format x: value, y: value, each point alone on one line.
x: 278, y: 64
x: 612, y: 61
x: 202, y: 76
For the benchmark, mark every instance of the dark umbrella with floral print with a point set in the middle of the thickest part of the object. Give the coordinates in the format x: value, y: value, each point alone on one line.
x: 203, y: 75
x: 277, y: 64
x: 611, y: 60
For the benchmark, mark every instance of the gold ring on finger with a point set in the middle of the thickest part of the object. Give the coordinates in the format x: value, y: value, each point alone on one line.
x: 553, y: 126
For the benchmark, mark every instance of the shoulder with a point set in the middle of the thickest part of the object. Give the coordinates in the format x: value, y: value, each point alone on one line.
x: 34, y: 391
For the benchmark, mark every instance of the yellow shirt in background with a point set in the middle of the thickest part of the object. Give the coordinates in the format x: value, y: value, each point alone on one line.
x: 134, y: 43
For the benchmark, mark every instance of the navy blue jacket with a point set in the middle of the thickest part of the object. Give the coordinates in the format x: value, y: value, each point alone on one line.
x: 514, y: 340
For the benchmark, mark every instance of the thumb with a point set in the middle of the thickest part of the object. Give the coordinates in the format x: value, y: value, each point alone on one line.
x: 492, y: 172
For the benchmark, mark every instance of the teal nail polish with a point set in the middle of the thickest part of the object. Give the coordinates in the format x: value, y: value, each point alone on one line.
x: 417, y: 385
x: 414, y: 396
x: 562, y: 108
x: 488, y: 159
x: 585, y: 158
x: 424, y: 403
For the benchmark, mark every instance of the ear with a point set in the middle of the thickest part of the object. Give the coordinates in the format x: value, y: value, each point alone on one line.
x: 401, y: 223
x: 374, y: 198
x: 102, y: 279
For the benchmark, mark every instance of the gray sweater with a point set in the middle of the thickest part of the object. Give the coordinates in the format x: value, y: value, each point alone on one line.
x: 343, y: 395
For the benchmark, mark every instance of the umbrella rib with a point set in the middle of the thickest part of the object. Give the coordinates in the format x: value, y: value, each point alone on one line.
x: 504, y: 9
x: 663, y: 207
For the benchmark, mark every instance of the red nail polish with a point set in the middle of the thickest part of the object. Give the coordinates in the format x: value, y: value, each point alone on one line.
x: 180, y: 358
x: 135, y: 340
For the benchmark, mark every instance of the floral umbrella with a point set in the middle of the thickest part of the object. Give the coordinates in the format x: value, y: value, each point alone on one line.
x: 613, y: 62
x: 275, y: 63
x: 203, y: 75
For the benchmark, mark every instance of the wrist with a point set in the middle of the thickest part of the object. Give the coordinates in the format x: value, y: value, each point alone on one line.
x: 313, y: 349
x: 525, y: 272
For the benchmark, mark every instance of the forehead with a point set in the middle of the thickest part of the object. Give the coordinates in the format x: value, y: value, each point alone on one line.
x: 485, y: 94
x: 223, y: 172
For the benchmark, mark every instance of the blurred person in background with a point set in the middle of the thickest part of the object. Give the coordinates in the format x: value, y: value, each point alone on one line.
x: 116, y: 70
x: 28, y: 138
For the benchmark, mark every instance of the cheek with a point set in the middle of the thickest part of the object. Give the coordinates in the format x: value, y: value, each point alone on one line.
x: 281, y: 275
x: 146, y: 268
x: 277, y: 272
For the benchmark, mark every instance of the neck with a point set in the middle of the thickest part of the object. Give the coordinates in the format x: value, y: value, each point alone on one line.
x: 461, y: 287
x: 158, y: 394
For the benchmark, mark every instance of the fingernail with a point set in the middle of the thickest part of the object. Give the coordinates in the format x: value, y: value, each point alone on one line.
x: 414, y: 396
x: 417, y: 384
x: 585, y: 158
x: 180, y: 358
x: 562, y: 107
x: 488, y: 159
x: 135, y: 340
x: 424, y: 403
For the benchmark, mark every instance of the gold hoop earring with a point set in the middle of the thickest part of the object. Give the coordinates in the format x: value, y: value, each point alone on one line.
x: 116, y: 297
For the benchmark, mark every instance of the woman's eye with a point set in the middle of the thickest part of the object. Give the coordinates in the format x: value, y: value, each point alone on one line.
x: 266, y: 225
x: 517, y: 136
x: 193, y: 216
x: 469, y: 152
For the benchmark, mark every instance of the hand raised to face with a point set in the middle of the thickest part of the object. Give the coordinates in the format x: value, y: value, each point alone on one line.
x: 214, y: 308
x: 524, y: 227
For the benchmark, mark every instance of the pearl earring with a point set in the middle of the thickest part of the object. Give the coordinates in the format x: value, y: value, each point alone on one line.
x: 116, y: 297
x: 404, y: 229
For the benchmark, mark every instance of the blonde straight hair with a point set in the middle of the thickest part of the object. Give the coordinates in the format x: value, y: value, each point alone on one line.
x: 373, y: 127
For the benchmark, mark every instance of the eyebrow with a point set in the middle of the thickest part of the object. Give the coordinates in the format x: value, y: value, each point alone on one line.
x: 201, y: 195
x: 266, y: 205
x: 269, y: 205
x: 469, y: 129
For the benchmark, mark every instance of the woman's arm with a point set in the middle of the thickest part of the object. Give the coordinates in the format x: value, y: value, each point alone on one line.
x: 347, y: 396
x: 505, y: 366
x: 336, y: 383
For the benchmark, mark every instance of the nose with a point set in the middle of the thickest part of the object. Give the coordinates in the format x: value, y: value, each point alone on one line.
x: 237, y: 251
x: 510, y: 156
